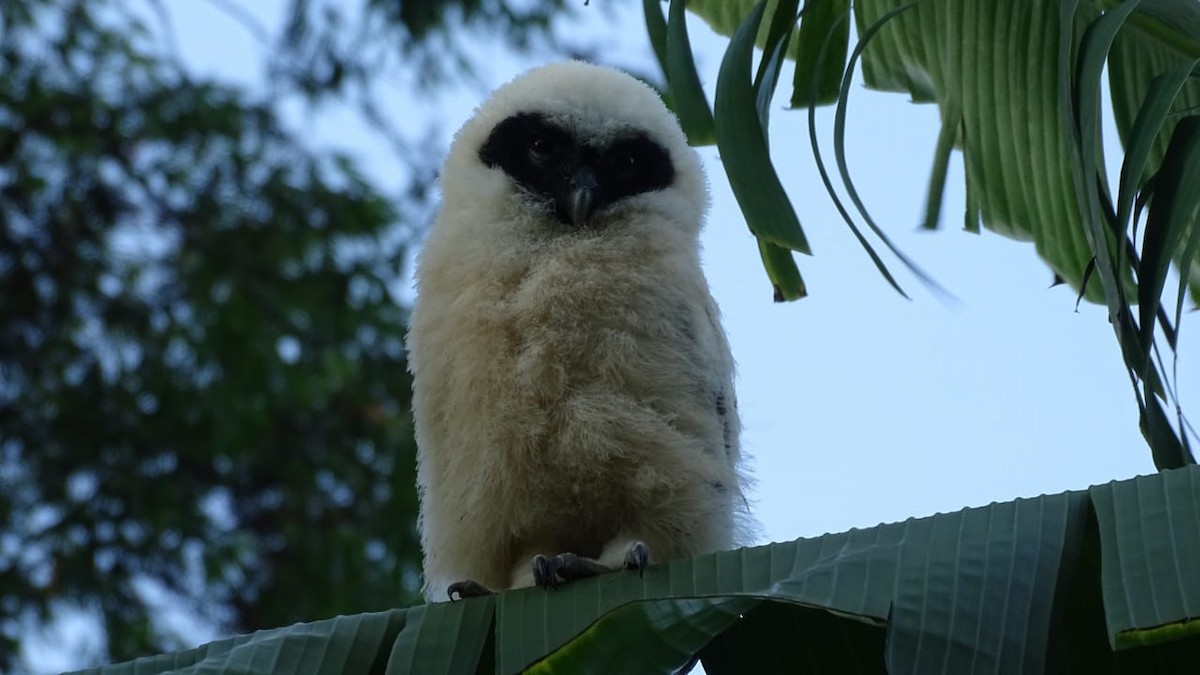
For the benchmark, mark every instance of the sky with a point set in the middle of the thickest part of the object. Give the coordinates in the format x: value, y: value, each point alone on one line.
x: 859, y: 407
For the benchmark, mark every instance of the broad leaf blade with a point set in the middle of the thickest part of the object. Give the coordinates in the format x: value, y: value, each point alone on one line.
x: 656, y: 30
x: 1136, y: 60
x: 1082, y: 110
x: 668, y: 633
x: 1150, y: 548
x: 859, y: 575
x: 1168, y: 449
x: 1174, y: 211
x: 1079, y: 99
x: 816, y: 74
x: 691, y: 105
x: 1172, y: 23
x: 446, y: 637
x: 818, y: 25
x: 779, y: 34
x: 346, y: 644
x: 782, y: 272
x: 966, y: 592
x: 724, y: 16
x: 979, y: 598
x: 779, y: 637
x: 744, y: 151
x: 1141, y: 156
x: 947, y: 138
x: 829, y: 571
x: 995, y: 61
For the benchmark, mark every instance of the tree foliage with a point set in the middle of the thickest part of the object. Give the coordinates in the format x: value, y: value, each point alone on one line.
x: 203, y: 389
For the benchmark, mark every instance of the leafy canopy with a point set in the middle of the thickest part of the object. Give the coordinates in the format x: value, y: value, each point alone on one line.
x: 203, y: 391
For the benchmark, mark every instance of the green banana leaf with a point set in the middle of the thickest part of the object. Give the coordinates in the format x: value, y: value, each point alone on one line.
x: 991, y: 66
x: 1018, y: 87
x: 1100, y: 580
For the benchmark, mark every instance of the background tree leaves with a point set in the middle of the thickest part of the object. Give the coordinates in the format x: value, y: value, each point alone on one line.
x: 203, y: 389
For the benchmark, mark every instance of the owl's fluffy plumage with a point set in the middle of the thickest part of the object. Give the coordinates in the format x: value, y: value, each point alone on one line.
x: 573, y: 386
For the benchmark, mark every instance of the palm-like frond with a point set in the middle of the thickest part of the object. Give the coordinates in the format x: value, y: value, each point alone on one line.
x: 1018, y: 86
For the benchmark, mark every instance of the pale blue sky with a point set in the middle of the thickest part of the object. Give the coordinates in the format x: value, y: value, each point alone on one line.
x: 859, y: 406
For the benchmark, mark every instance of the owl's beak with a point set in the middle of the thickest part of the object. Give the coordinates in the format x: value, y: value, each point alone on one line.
x: 581, y: 196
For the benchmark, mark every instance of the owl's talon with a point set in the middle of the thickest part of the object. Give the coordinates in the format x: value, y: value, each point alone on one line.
x: 570, y: 567
x: 637, y: 556
x: 544, y: 572
x: 467, y: 589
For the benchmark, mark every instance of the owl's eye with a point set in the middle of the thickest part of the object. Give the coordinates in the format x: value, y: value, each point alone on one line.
x: 625, y: 162
x: 542, y: 149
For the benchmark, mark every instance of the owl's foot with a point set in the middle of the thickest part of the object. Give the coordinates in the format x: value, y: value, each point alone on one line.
x: 564, y: 567
x: 467, y: 589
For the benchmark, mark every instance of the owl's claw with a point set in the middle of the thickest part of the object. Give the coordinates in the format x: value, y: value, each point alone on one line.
x: 570, y: 567
x: 637, y: 556
x: 467, y: 589
x: 544, y: 572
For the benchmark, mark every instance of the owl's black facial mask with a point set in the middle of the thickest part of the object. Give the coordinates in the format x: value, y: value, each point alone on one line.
x: 577, y: 178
